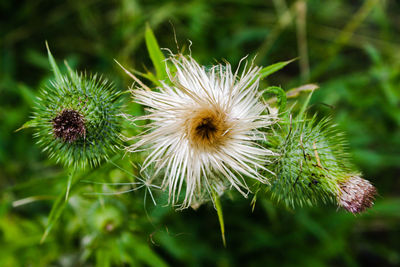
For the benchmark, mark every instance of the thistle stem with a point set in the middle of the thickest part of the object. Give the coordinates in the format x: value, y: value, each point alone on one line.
x: 70, y: 176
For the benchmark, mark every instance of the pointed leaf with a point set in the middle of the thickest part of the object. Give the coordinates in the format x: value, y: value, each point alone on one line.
x: 56, y: 211
x: 149, y: 76
x: 59, y: 206
x: 218, y: 206
x: 274, y: 68
x: 304, y: 107
x: 294, y: 92
x: 28, y: 124
x: 53, y: 64
x: 70, y: 177
x: 155, y: 53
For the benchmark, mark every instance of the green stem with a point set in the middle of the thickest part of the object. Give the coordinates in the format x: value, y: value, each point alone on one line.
x: 70, y: 176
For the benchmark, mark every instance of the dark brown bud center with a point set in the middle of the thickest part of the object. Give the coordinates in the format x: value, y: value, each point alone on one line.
x: 69, y: 125
x: 207, y: 128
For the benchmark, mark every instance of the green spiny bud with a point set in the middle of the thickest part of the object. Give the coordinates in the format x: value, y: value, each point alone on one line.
x: 314, y: 167
x: 76, y: 118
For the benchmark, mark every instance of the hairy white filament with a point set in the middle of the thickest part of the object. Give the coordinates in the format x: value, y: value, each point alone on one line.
x: 205, y: 129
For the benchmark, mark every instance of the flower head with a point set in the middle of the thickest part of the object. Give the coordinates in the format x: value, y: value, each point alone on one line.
x: 356, y: 194
x: 76, y: 119
x: 206, y: 125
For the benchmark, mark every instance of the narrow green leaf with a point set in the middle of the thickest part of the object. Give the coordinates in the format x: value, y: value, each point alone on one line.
x: 253, y: 202
x: 149, y: 76
x: 56, y: 211
x: 218, y: 206
x: 304, y: 107
x: 295, y: 92
x: 155, y: 53
x: 53, y: 64
x: 74, y: 75
x: 141, y: 251
x: 28, y: 200
x: 58, y: 207
x: 28, y: 124
x: 70, y: 176
x: 274, y: 68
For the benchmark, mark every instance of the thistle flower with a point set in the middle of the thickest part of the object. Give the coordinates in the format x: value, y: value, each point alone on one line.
x: 314, y: 167
x: 205, y: 128
x: 356, y: 194
x: 76, y: 118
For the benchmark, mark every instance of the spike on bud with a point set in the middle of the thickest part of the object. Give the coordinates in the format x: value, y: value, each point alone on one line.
x: 69, y: 125
x: 356, y: 194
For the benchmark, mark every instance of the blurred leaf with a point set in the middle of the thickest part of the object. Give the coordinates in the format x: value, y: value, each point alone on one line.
x: 27, y: 93
x: 55, y: 213
x: 103, y: 258
x: 292, y: 93
x: 141, y: 251
x: 59, y: 206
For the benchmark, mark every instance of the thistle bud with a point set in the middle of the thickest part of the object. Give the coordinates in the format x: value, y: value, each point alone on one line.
x: 313, y: 167
x: 76, y: 118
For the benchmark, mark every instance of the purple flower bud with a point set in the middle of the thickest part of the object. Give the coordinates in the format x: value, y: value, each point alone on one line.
x: 356, y: 194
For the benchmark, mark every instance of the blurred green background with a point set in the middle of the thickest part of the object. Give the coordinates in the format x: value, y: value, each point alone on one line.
x: 351, y: 49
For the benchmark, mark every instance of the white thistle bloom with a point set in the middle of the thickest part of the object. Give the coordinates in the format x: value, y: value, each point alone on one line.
x: 205, y: 128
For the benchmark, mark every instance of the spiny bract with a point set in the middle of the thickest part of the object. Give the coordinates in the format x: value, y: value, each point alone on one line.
x: 314, y: 167
x: 312, y: 160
